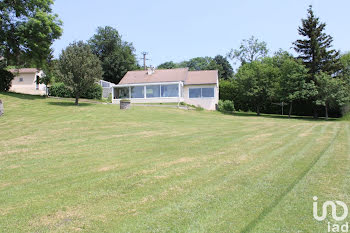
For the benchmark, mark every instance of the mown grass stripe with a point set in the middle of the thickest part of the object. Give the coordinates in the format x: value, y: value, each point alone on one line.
x: 250, y: 226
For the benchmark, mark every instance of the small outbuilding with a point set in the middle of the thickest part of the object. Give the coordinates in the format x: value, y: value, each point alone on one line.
x: 27, y: 81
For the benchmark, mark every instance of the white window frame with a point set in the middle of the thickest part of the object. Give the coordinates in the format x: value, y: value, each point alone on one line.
x: 166, y: 84
x: 180, y: 85
x: 129, y: 96
x: 201, y: 97
x: 160, y: 91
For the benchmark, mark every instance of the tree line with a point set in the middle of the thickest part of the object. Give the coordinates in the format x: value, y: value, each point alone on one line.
x: 315, y: 82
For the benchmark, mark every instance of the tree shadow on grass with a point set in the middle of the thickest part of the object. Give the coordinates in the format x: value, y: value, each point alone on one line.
x: 273, y: 116
x: 67, y: 103
x: 22, y: 96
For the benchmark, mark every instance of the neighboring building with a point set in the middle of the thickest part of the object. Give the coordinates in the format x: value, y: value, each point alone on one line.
x: 199, y: 88
x: 26, y: 81
x: 106, y: 88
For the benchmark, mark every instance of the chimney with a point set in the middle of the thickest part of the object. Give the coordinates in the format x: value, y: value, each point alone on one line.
x: 150, y: 70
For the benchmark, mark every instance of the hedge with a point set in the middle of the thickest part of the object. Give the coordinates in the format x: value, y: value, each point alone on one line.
x: 60, y: 90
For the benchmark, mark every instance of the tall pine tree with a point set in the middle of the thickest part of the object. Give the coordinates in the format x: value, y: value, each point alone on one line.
x: 315, y: 49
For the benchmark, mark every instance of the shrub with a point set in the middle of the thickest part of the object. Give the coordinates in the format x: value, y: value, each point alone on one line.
x: 6, y: 78
x: 109, y: 99
x: 60, y: 90
x: 199, y: 108
x: 226, y: 106
x: 94, y: 92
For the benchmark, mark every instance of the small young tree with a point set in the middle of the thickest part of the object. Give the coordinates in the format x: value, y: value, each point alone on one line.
x: 332, y: 92
x: 79, y: 68
x: 46, y: 79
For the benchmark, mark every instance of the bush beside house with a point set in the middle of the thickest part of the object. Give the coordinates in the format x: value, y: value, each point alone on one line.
x: 226, y: 106
x: 94, y: 92
x: 60, y: 90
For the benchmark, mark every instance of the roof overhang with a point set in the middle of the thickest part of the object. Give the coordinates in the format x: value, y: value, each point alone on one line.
x: 190, y: 84
x: 146, y: 84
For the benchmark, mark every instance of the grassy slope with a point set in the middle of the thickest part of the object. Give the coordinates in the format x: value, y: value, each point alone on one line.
x: 96, y: 168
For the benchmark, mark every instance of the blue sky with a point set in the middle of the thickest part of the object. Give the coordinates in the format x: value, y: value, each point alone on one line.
x: 180, y: 30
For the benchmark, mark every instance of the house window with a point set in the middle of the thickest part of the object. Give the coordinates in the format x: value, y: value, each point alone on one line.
x: 153, y: 91
x: 121, y: 92
x: 195, y: 92
x: 171, y: 90
x: 105, y: 84
x: 207, y: 92
x: 21, y: 79
x: 137, y: 92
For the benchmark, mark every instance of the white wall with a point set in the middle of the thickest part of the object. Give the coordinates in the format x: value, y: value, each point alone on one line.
x: 152, y: 100
x: 28, y: 85
x: 206, y: 103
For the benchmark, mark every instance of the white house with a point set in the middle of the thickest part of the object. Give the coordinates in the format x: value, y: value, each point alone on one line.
x: 26, y: 81
x: 199, y: 88
x: 106, y: 88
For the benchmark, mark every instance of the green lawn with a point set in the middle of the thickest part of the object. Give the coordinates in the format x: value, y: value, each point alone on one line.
x: 96, y: 168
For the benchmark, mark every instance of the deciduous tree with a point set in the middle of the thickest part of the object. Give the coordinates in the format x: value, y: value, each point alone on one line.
x: 332, y: 92
x: 117, y: 56
x: 345, y: 62
x: 293, y: 84
x: 79, y: 68
x: 28, y: 29
x: 223, y: 66
x: 168, y: 65
x: 257, y: 82
x: 197, y: 63
x: 250, y: 50
x: 219, y: 63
